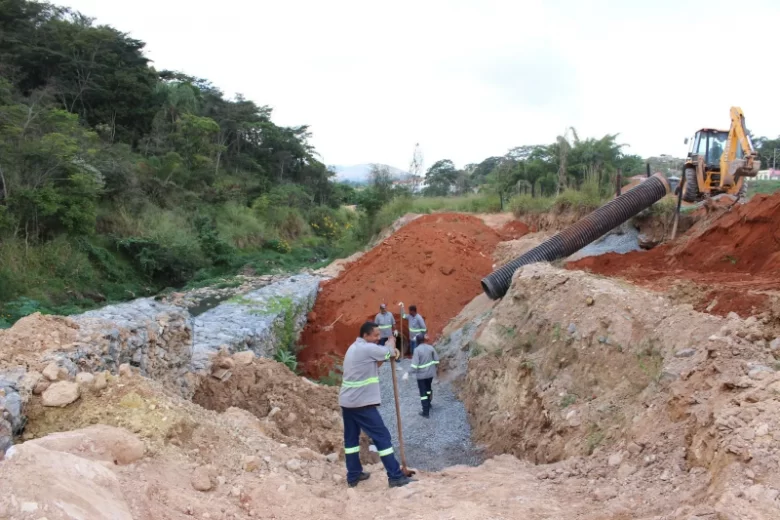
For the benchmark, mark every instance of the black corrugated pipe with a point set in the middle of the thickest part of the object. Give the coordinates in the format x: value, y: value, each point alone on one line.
x: 582, y: 233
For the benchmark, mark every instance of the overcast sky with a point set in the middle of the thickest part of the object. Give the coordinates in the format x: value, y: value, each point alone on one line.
x: 468, y: 79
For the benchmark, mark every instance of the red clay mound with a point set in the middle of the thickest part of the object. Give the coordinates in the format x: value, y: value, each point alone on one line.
x: 514, y: 229
x: 435, y: 262
x: 737, y: 253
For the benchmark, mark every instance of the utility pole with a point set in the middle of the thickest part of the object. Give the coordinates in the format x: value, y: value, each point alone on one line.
x: 416, y: 167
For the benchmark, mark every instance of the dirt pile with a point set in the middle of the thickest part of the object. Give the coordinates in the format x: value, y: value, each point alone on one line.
x: 514, y: 229
x: 735, y: 259
x: 35, y: 335
x: 436, y: 262
x: 293, y: 409
x: 640, y: 397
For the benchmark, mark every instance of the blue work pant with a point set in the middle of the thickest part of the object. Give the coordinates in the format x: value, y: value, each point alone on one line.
x: 426, y: 393
x: 367, y: 418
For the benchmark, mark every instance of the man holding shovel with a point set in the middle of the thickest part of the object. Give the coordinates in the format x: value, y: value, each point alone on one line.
x: 359, y: 398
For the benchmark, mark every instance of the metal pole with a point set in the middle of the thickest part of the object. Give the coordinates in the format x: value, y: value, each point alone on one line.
x: 679, y: 203
x: 648, y: 168
x: 618, y: 182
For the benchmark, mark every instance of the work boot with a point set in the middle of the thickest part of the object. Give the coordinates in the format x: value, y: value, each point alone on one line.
x: 423, y: 414
x: 363, y: 476
x: 400, y: 482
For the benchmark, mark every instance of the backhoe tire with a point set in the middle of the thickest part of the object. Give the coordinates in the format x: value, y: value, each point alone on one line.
x: 691, y: 188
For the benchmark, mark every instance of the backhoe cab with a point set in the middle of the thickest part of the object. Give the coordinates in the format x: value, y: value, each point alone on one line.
x: 719, y: 160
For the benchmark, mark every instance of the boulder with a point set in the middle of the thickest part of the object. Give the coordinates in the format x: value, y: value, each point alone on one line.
x: 61, y: 394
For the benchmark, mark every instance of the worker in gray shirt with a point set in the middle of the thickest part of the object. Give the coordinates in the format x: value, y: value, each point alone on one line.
x: 359, y: 398
x: 425, y: 362
x: 416, y: 325
x: 386, y: 323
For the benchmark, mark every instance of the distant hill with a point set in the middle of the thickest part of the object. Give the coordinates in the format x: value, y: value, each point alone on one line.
x: 359, y: 173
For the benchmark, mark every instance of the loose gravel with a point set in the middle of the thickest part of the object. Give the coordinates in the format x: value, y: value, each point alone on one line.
x: 623, y: 239
x: 432, y: 444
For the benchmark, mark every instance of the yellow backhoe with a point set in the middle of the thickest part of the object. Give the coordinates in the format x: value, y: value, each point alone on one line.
x: 718, y: 161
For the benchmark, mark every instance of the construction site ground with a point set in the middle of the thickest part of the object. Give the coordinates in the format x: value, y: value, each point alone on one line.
x: 642, y: 385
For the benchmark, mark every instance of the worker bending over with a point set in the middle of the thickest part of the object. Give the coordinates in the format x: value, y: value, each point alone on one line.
x: 416, y: 325
x: 359, y: 399
x: 425, y: 361
x: 386, y: 323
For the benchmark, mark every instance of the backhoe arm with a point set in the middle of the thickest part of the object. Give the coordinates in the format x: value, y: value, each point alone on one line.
x: 748, y: 165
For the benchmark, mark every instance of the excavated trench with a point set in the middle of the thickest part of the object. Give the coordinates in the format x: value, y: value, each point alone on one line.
x: 640, y: 406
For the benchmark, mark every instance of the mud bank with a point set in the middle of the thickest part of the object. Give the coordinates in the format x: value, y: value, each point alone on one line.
x: 435, y: 262
x: 733, y: 262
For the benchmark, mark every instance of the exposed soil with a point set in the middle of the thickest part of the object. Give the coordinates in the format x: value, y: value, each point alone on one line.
x: 293, y: 409
x: 435, y: 262
x: 735, y: 259
x: 644, y: 408
x: 35, y: 335
x: 515, y: 229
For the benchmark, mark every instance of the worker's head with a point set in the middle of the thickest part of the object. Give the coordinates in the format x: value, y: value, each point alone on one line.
x: 421, y: 338
x: 369, y: 331
x: 382, y: 308
x: 413, y: 310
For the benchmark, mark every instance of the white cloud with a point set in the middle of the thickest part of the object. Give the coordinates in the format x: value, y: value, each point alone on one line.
x: 471, y: 78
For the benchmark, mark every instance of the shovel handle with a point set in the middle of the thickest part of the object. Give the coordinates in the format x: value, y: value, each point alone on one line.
x: 398, y: 417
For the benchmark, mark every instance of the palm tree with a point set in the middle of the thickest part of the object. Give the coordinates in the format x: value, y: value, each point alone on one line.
x: 564, y: 147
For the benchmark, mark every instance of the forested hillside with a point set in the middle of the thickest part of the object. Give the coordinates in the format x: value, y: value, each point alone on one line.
x: 117, y: 180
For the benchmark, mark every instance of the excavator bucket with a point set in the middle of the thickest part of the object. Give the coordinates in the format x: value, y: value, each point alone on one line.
x: 744, y: 168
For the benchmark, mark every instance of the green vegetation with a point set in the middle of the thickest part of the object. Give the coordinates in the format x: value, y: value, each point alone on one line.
x: 767, y: 187
x: 118, y: 180
x: 594, y: 439
x: 568, y: 400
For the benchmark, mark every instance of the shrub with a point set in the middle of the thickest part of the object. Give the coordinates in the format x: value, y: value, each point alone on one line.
x: 280, y: 246
x: 327, y: 223
x: 285, y: 196
x: 240, y: 226
x: 526, y: 204
x: 286, y: 358
x: 163, y: 262
x: 215, y: 249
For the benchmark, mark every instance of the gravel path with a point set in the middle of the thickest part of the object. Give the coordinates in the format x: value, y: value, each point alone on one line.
x: 442, y: 440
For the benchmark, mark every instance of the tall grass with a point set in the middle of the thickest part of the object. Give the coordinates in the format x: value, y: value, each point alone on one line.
x: 464, y: 204
x: 526, y: 204
x: 588, y: 197
x: 755, y: 187
x: 239, y: 226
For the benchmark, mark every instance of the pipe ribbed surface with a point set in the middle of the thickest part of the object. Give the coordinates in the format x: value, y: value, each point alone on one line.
x: 582, y: 233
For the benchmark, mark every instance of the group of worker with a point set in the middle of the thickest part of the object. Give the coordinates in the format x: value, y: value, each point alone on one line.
x: 360, y: 394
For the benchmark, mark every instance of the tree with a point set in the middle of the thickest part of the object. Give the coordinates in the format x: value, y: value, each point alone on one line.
x: 440, y: 178
x: 768, y: 151
x: 564, y: 147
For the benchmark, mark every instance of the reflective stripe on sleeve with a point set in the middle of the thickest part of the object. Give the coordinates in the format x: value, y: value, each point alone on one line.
x: 358, y: 384
x: 417, y: 330
x: 385, y: 453
x: 350, y: 451
x: 384, y: 326
x: 426, y: 365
